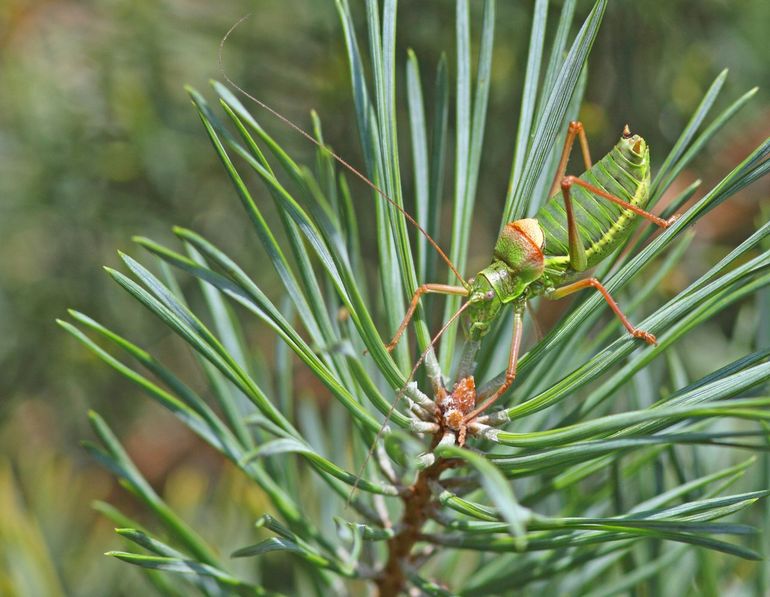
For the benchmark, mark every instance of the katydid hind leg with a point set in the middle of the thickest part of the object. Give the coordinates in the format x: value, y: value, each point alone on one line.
x: 578, y: 260
x: 569, y: 181
x: 577, y: 254
x: 575, y: 129
x: 594, y: 283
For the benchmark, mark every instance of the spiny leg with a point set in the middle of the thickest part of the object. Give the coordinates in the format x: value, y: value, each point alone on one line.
x: 593, y: 282
x: 578, y: 260
x: 424, y: 289
x: 575, y: 129
x: 568, y: 181
x: 510, y: 372
x: 577, y: 256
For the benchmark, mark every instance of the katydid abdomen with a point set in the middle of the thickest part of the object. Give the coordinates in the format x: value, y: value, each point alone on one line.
x: 603, y: 225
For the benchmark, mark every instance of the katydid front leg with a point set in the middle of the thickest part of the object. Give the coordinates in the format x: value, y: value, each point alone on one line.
x: 424, y: 289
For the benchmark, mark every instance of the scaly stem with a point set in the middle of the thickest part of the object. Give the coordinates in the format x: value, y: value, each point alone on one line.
x: 417, y: 507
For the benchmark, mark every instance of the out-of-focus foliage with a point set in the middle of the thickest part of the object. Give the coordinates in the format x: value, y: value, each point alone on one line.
x: 98, y: 141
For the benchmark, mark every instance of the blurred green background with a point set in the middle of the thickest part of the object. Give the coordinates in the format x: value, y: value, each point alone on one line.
x: 98, y: 142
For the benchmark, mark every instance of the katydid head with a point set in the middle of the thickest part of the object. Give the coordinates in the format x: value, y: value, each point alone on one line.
x: 483, y: 306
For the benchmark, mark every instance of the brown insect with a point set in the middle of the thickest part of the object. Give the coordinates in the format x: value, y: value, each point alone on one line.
x: 454, y: 407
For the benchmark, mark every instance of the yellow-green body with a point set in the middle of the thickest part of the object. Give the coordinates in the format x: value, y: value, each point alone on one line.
x: 532, y: 256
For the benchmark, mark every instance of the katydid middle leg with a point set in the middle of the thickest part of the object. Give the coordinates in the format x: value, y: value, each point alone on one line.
x: 510, y: 372
x: 594, y: 283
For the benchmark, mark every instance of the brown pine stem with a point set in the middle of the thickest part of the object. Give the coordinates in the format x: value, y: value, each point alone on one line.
x: 417, y: 508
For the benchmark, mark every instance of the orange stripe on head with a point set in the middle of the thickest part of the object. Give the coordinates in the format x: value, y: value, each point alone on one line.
x: 520, y: 246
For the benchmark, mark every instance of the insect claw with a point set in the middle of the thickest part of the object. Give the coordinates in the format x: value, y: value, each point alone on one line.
x: 575, y: 126
x: 672, y: 219
x: 388, y: 347
x: 646, y: 336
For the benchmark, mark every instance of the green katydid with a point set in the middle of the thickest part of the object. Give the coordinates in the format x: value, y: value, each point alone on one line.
x: 584, y: 221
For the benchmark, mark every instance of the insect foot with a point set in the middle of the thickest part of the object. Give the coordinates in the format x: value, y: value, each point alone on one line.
x: 646, y: 336
x: 672, y: 219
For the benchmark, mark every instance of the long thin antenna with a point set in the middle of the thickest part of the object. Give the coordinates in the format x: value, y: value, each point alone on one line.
x: 312, y: 139
x: 400, y: 395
